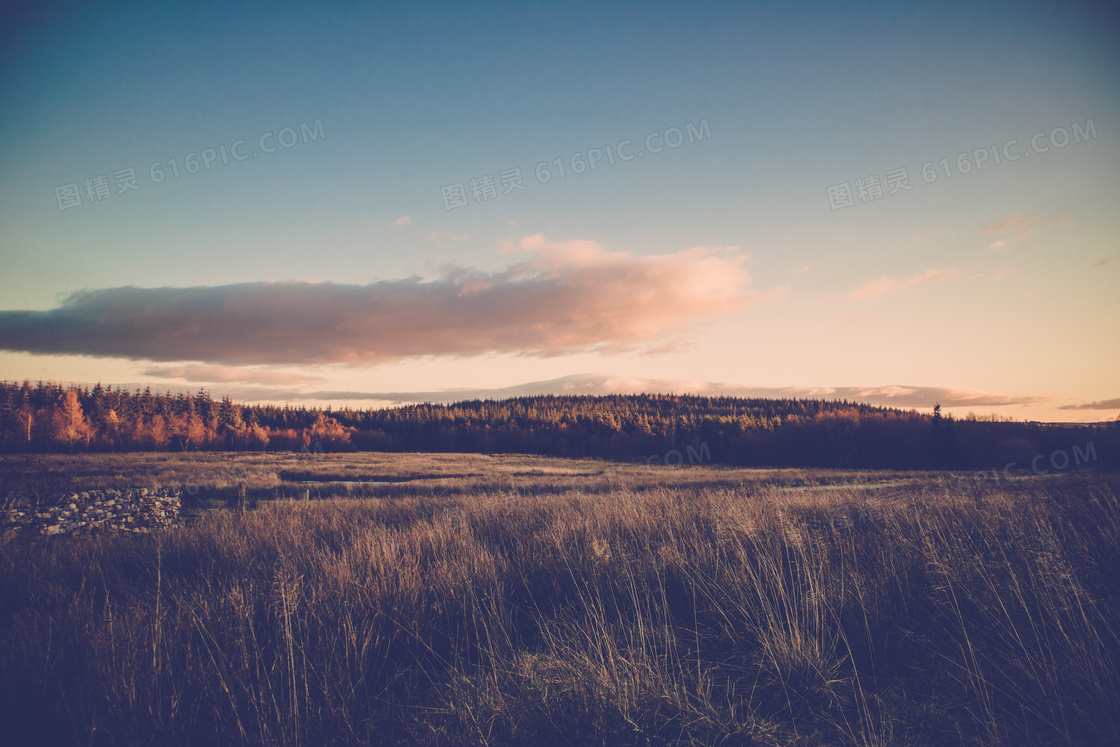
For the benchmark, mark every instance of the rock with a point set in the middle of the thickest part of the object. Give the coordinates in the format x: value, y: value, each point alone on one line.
x: 93, y: 511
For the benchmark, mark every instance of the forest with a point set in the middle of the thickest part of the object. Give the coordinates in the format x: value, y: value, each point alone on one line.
x: 48, y: 417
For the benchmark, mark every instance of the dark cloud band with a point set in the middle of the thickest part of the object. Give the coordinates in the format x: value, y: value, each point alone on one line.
x: 565, y: 297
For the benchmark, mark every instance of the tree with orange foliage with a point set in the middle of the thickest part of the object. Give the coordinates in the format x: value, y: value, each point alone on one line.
x: 329, y: 432
x: 69, y: 424
x: 197, y: 435
x: 112, y: 428
x: 155, y: 433
x: 256, y: 438
x: 25, y: 418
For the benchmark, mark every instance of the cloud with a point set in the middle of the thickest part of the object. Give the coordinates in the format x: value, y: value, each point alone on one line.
x: 223, y: 374
x: 402, y: 221
x: 603, y: 384
x: 1106, y: 404
x: 886, y: 285
x: 560, y: 298
x: 536, y: 241
x: 902, y: 397
x: 1018, y: 227
x: 1010, y: 223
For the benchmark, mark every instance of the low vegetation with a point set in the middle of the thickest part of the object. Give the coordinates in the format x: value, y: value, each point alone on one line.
x: 544, y: 601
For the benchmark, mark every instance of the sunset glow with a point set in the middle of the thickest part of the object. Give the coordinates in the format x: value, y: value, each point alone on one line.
x: 366, y: 205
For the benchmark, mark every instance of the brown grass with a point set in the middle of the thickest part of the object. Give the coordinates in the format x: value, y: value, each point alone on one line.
x: 696, y: 612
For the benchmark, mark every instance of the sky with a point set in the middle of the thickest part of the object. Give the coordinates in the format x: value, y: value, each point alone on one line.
x: 365, y: 204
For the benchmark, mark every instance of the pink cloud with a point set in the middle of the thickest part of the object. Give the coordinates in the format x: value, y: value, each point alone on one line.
x: 222, y: 374
x: 562, y: 297
x: 887, y: 285
x: 1019, y: 227
x: 1009, y: 223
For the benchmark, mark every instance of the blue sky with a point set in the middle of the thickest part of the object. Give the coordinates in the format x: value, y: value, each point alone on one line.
x: 993, y: 290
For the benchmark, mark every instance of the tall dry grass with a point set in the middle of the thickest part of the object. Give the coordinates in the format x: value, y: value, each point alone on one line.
x: 712, y: 616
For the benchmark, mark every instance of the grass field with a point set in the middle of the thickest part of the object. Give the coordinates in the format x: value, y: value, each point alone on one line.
x: 469, y: 599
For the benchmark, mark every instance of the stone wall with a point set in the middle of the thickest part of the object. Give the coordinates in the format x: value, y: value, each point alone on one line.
x: 134, y: 510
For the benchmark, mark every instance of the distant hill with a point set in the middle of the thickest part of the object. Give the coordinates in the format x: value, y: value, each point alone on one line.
x: 655, y: 428
x: 763, y: 432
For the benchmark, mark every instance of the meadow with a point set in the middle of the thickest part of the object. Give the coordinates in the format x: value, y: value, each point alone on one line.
x: 446, y: 599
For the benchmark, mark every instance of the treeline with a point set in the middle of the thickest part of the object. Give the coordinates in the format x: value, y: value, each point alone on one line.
x: 758, y: 432
x: 47, y: 417
x: 750, y: 432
